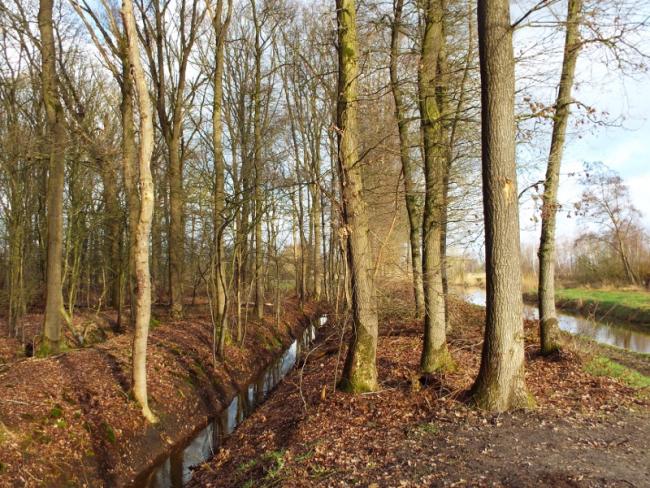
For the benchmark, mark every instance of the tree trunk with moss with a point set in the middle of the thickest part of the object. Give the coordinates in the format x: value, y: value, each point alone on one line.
x: 435, y: 354
x: 410, y: 193
x: 360, y: 372
x: 56, y: 135
x: 549, y: 330
x: 500, y: 383
x: 143, y: 229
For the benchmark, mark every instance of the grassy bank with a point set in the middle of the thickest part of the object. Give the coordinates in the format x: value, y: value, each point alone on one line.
x: 624, y: 305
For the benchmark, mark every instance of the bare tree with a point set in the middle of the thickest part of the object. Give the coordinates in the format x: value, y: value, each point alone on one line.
x: 606, y: 204
x: 360, y: 371
x: 408, y: 170
x: 500, y: 383
x: 548, y: 325
x: 52, y: 335
x: 143, y: 231
x: 435, y: 355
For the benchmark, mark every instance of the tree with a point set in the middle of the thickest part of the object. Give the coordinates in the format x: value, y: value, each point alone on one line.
x: 52, y: 335
x: 548, y: 325
x: 143, y: 230
x: 500, y: 382
x: 360, y: 371
x: 435, y: 355
x: 606, y: 204
x: 168, y: 63
x: 408, y: 170
x: 257, y: 162
x: 220, y: 30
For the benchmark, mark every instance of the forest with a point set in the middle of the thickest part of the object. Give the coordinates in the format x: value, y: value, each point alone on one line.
x: 288, y: 243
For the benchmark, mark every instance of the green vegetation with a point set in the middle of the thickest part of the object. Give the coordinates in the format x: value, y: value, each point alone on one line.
x: 638, y: 300
x: 277, y: 459
x: 625, y: 305
x: 56, y: 412
x: 246, y: 466
x: 602, y: 366
x: 109, y: 432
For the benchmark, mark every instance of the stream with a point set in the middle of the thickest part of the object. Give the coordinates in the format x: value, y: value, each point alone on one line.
x: 624, y: 335
x: 175, y: 470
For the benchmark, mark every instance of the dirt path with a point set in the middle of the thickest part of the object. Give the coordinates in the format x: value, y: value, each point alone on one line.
x: 586, y: 431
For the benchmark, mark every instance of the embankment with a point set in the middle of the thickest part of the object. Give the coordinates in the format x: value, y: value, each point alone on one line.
x: 68, y: 420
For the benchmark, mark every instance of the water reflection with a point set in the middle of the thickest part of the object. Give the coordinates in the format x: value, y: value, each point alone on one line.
x: 621, y: 335
x: 175, y: 471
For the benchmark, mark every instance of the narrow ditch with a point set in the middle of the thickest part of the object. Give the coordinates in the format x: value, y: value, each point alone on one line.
x: 175, y: 469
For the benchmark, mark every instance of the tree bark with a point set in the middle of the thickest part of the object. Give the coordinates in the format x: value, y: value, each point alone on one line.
x: 129, y: 169
x: 257, y: 155
x: 435, y: 354
x: 315, y: 216
x: 143, y: 230
x: 412, y: 203
x: 56, y: 135
x: 359, y: 373
x: 220, y: 29
x: 548, y: 325
x: 176, y: 228
x: 500, y: 383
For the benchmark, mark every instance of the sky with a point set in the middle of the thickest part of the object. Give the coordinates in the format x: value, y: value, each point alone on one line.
x: 623, y: 144
x: 625, y: 149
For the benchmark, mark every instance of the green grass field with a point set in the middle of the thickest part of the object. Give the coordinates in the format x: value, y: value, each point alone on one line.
x: 627, y: 305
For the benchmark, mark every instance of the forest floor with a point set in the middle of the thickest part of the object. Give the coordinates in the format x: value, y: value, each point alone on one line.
x: 588, y: 428
x: 68, y: 420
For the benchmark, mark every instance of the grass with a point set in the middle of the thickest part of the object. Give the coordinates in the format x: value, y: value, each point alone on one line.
x: 603, y: 304
x: 602, y: 366
x: 608, y: 298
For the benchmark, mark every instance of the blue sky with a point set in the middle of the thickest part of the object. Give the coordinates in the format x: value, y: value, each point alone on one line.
x: 621, y: 99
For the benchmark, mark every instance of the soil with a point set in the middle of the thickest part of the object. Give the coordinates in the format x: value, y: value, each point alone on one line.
x: 421, y: 431
x: 68, y: 420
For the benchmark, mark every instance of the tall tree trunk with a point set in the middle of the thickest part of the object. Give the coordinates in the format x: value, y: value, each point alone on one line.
x: 113, y: 227
x: 176, y: 229
x: 316, y: 224
x: 143, y: 230
x: 548, y: 326
x: 257, y: 152
x: 56, y: 135
x: 220, y: 29
x: 129, y: 169
x: 500, y: 383
x: 435, y: 354
x: 411, y: 197
x: 360, y: 371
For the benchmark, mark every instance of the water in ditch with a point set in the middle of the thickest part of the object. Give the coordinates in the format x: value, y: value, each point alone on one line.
x: 625, y: 336
x: 176, y: 469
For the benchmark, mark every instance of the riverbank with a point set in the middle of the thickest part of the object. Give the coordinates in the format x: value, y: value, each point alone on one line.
x: 587, y: 430
x: 68, y: 420
x: 619, y: 305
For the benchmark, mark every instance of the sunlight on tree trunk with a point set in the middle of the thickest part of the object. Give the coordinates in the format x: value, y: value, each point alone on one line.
x: 410, y: 194
x: 143, y: 230
x: 500, y: 383
x: 360, y: 371
x: 435, y: 354
x: 53, y: 338
x: 549, y: 330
